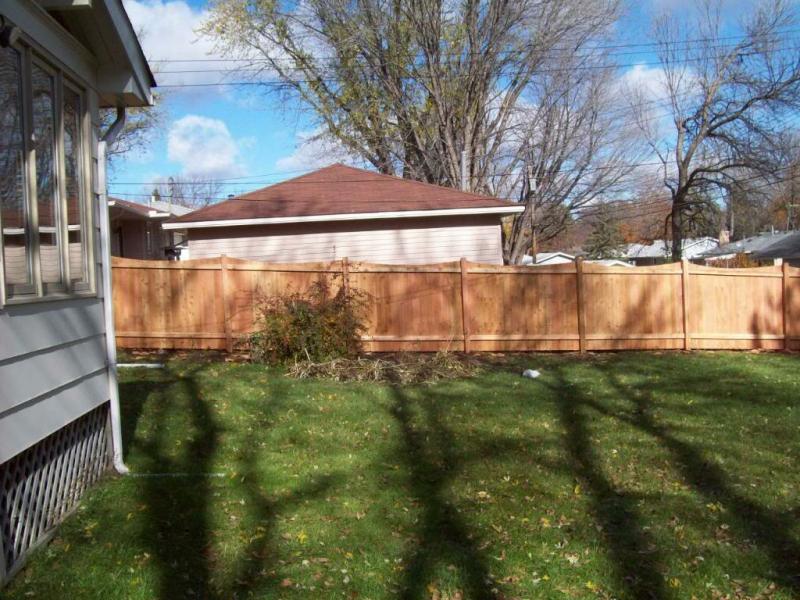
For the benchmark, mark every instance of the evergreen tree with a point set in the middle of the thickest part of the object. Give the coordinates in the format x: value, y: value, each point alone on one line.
x: 605, y: 240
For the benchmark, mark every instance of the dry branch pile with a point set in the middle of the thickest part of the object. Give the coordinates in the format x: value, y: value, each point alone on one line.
x: 399, y: 369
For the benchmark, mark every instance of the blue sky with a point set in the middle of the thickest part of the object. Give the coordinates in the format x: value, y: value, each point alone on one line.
x: 244, y: 136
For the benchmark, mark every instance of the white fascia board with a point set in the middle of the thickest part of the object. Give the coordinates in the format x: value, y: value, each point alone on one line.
x: 405, y: 214
x: 151, y: 213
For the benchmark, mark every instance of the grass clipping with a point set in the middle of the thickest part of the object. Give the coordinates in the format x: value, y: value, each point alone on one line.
x: 398, y: 369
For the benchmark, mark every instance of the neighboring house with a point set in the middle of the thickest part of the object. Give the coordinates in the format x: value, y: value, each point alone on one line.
x: 548, y: 258
x: 611, y: 262
x: 765, y: 248
x: 660, y: 251
x: 136, y: 229
x: 61, y: 61
x: 342, y: 212
x: 559, y: 258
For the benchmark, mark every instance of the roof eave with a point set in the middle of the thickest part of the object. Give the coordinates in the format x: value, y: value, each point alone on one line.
x: 405, y: 214
x: 130, y: 86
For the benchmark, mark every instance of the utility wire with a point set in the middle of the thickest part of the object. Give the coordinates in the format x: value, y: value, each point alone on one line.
x: 371, y: 181
x: 465, y: 54
x: 279, y: 83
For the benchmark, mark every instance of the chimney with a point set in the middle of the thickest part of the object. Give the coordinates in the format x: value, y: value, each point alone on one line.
x: 724, y: 237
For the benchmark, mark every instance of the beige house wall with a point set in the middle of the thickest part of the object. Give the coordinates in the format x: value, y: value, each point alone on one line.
x: 389, y: 241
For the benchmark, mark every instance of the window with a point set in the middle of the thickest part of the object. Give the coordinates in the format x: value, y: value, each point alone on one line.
x: 13, y: 193
x: 43, y: 182
x: 74, y: 188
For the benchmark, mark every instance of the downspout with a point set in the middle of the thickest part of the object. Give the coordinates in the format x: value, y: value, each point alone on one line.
x: 108, y: 303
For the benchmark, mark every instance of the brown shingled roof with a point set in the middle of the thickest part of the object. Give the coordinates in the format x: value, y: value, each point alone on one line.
x: 140, y: 209
x: 339, y: 189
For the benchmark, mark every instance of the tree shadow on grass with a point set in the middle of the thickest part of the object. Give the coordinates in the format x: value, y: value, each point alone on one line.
x: 175, y: 487
x: 443, y: 538
x: 770, y: 530
x: 179, y: 492
x: 255, y: 573
x: 633, y: 552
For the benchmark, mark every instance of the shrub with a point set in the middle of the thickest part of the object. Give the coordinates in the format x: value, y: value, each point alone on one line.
x: 316, y: 325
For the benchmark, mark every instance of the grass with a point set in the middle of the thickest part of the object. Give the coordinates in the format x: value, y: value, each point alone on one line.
x: 614, y: 476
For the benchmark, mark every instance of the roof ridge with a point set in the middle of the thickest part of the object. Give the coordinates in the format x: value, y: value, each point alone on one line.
x: 277, y: 183
x: 373, y: 173
x: 242, y: 198
x: 424, y: 183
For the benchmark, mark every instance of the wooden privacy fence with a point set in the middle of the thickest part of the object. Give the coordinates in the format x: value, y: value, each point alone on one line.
x: 470, y: 306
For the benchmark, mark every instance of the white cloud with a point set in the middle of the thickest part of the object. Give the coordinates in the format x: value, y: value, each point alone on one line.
x: 169, y: 30
x: 650, y: 81
x: 204, y: 147
x: 313, y: 151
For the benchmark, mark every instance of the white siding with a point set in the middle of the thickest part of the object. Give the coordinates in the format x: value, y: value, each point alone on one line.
x: 397, y: 241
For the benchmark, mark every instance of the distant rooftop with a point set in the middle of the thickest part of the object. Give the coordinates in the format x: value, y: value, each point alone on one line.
x: 784, y: 244
x: 663, y: 248
x: 154, y: 208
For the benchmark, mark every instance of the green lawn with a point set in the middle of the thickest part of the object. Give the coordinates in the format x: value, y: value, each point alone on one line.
x: 620, y: 475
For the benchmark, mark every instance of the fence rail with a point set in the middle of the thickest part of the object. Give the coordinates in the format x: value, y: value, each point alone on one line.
x: 209, y: 304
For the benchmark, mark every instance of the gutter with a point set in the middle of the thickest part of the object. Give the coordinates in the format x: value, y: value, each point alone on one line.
x: 400, y: 214
x: 108, y: 303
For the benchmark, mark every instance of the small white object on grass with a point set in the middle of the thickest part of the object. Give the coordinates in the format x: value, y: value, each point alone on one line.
x: 531, y: 373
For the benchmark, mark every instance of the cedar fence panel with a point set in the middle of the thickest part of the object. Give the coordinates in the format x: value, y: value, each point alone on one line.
x: 633, y: 308
x: 791, y: 307
x: 410, y: 307
x: 210, y: 304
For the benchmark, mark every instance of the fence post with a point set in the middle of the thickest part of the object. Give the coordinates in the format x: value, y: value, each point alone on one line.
x: 786, y: 306
x: 464, y: 304
x: 687, y: 340
x: 223, y: 260
x: 346, y: 277
x: 581, y: 304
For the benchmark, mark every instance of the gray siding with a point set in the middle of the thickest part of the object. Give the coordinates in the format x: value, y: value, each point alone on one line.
x: 390, y: 241
x: 52, y: 369
x: 52, y: 353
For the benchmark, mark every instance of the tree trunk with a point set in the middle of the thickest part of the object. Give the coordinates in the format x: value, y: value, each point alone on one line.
x: 676, y: 221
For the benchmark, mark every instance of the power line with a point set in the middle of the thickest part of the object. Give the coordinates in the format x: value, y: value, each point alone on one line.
x: 338, y: 66
x: 279, y: 83
x: 372, y: 181
x: 570, y: 50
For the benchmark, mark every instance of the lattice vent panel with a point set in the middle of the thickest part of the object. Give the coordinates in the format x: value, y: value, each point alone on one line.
x: 42, y: 484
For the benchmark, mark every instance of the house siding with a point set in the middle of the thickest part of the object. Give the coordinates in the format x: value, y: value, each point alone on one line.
x: 53, y: 366
x: 391, y: 241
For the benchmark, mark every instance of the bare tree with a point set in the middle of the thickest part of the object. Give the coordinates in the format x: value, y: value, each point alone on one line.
x: 192, y: 192
x: 142, y: 126
x: 576, y: 149
x: 727, y: 101
x: 409, y: 85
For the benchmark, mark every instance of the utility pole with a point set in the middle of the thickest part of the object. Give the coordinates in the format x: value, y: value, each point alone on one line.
x: 732, y: 220
x: 464, y: 174
x: 792, y: 192
x: 532, y: 195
